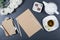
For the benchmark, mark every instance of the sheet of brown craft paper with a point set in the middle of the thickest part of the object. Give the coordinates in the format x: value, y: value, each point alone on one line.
x: 29, y: 23
x: 9, y: 27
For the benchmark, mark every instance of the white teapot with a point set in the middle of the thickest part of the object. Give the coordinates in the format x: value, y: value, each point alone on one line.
x: 50, y: 8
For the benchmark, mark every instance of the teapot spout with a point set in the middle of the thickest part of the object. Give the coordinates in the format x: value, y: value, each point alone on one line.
x: 45, y: 3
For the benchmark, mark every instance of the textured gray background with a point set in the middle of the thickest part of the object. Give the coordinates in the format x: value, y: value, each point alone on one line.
x: 40, y: 35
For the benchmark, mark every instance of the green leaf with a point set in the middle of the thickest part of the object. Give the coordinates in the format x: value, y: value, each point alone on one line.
x: 1, y: 4
x: 1, y: 1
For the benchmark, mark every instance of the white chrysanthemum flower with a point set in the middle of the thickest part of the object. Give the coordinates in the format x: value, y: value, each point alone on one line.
x: 10, y: 8
x: 15, y: 5
x: 2, y: 12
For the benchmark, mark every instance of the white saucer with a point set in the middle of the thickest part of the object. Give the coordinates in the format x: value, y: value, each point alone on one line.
x: 54, y: 27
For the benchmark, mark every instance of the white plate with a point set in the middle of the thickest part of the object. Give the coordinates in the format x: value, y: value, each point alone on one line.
x: 37, y: 7
x: 54, y: 27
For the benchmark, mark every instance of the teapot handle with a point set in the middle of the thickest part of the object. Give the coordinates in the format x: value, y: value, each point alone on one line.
x: 56, y: 12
